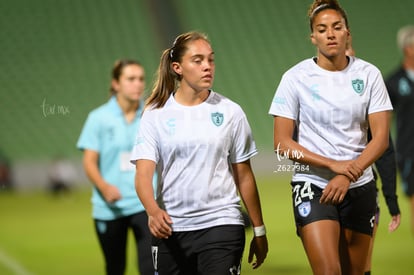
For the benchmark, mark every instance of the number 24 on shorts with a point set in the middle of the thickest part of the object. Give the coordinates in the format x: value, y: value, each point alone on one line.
x: 302, y: 192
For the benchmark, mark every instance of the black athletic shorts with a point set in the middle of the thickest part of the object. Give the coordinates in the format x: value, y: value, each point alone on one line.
x: 216, y: 250
x: 355, y: 212
x: 377, y: 208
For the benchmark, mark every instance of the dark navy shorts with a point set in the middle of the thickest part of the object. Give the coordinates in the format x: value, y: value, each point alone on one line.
x: 356, y: 212
x: 216, y: 250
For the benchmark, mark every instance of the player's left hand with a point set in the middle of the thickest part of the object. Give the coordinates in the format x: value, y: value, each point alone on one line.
x: 395, y: 223
x: 258, y: 247
x: 349, y: 168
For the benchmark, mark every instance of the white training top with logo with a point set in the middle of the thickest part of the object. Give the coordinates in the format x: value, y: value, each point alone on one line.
x: 331, y: 111
x: 193, y: 147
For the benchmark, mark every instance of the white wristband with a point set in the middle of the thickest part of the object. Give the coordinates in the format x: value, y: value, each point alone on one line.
x: 259, y: 231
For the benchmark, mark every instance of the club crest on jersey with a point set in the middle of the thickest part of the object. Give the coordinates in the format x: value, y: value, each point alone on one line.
x: 304, y: 209
x: 217, y: 118
x: 358, y: 86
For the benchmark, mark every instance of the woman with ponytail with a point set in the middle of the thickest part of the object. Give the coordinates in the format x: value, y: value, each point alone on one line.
x: 201, y: 143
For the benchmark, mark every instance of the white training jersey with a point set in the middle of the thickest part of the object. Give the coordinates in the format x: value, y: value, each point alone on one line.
x: 331, y: 111
x: 194, y: 147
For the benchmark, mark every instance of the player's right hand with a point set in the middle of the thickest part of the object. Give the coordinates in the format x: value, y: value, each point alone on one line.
x: 159, y: 223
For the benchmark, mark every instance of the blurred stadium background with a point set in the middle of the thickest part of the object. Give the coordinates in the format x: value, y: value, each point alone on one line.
x: 56, y: 57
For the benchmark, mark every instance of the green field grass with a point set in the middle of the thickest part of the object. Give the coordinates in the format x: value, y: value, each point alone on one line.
x: 40, y: 234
